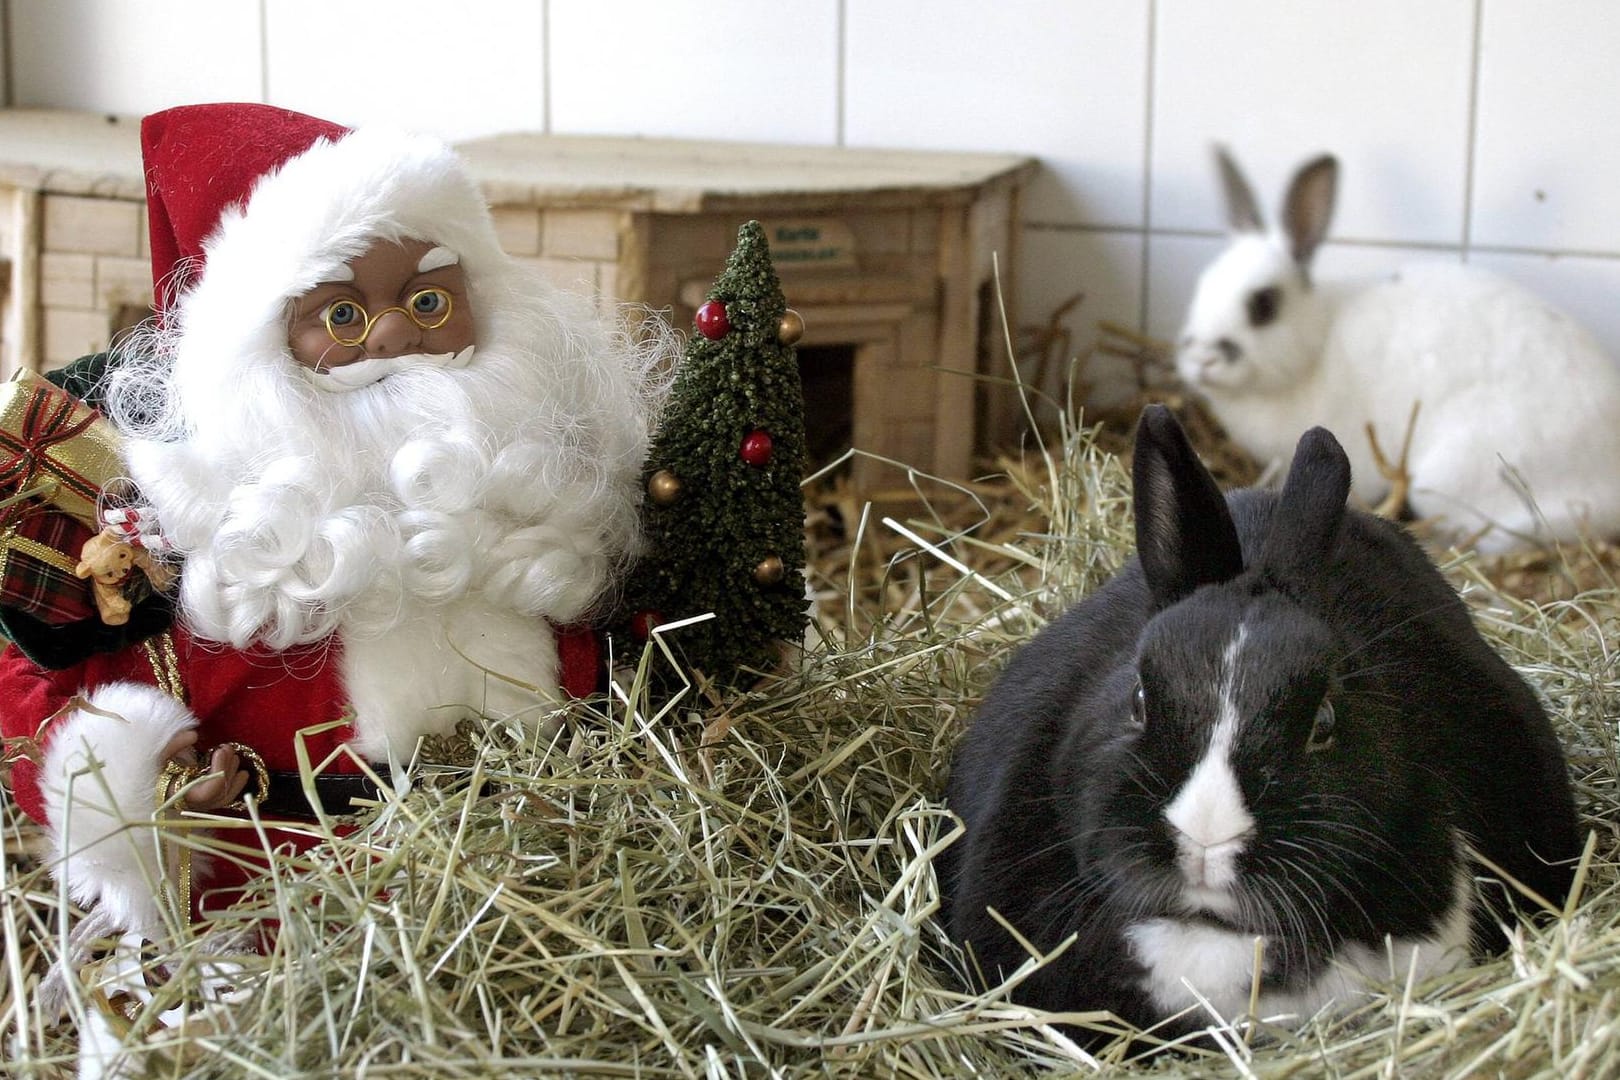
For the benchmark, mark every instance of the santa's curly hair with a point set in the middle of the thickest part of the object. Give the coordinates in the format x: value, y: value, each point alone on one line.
x: 299, y: 512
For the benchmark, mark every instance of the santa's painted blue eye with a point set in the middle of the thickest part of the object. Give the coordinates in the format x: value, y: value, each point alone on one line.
x: 430, y: 307
x: 342, y: 313
x: 430, y: 301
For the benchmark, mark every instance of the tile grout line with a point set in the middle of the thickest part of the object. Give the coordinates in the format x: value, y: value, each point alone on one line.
x: 545, y: 67
x: 264, y: 51
x: 1433, y: 246
x: 841, y: 66
x: 1471, y: 144
x: 1147, y: 168
x: 7, y: 86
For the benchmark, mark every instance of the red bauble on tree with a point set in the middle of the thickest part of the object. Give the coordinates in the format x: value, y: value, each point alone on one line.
x: 712, y: 320
x: 756, y: 448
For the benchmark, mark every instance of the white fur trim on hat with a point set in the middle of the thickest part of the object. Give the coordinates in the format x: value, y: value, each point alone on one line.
x: 99, y: 782
x: 308, y: 218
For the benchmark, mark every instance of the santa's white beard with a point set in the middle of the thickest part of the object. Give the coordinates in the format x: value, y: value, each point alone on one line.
x: 511, y: 482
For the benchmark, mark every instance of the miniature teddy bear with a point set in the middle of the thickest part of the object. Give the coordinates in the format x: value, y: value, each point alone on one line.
x: 108, y: 560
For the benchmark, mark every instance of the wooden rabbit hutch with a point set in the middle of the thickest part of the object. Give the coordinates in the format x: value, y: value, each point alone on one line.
x: 886, y: 254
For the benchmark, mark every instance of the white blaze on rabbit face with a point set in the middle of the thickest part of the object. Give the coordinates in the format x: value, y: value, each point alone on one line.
x: 1208, y: 818
x: 1258, y: 343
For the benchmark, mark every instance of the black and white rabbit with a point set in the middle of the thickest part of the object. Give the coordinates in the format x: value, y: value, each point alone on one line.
x: 1277, y: 722
x: 1508, y: 385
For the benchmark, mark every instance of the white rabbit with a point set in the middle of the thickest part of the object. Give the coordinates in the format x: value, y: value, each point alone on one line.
x: 1509, y: 388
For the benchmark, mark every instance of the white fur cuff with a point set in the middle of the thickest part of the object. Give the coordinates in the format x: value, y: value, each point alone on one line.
x: 100, y: 787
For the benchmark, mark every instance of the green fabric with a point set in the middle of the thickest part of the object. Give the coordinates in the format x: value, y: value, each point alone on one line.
x: 85, y: 378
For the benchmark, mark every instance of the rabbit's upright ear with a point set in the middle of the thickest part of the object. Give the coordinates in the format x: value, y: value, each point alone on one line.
x: 1184, y: 533
x: 1308, y: 207
x: 1311, y: 509
x: 1242, y: 211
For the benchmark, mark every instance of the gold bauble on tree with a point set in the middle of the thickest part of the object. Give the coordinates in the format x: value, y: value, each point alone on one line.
x: 664, y: 487
x: 770, y: 570
x: 791, y: 328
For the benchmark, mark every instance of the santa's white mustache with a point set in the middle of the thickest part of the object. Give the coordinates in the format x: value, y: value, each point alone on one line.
x: 360, y: 373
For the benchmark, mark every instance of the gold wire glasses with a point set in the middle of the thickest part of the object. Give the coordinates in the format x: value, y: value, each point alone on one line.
x: 428, y: 308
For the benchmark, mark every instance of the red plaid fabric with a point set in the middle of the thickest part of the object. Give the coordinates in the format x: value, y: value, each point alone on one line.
x: 38, y: 553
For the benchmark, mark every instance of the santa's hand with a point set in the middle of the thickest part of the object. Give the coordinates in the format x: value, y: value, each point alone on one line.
x: 221, y: 783
x: 224, y: 784
x: 181, y: 744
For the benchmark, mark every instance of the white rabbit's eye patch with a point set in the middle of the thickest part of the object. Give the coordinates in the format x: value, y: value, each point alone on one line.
x: 1264, y: 305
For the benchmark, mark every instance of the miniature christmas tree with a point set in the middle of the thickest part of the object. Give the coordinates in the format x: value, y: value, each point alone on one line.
x: 724, y: 516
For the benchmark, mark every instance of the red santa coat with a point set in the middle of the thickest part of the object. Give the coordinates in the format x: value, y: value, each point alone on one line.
x: 255, y: 697
x: 259, y: 698
x: 105, y: 722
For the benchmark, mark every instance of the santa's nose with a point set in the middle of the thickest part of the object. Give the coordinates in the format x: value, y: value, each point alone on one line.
x: 393, y: 334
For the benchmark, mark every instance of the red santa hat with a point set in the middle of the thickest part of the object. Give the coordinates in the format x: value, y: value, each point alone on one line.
x: 202, y: 158
x: 262, y: 204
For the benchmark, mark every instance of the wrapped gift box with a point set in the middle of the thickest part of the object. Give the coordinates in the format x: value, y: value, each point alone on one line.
x: 56, y: 455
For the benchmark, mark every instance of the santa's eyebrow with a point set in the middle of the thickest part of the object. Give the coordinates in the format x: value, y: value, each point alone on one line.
x: 342, y: 275
x: 436, y: 259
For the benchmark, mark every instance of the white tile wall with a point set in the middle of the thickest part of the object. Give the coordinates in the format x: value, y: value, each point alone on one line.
x: 1106, y: 267
x: 1066, y: 82
x: 1548, y: 149
x: 722, y: 69
x: 1174, y: 263
x: 456, y: 70
x: 126, y: 56
x: 1479, y: 129
x: 1384, y: 84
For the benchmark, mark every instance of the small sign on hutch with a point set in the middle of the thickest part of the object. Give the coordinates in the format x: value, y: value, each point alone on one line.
x: 819, y: 243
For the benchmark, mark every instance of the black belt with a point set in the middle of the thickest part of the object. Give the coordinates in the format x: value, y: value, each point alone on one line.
x: 337, y: 793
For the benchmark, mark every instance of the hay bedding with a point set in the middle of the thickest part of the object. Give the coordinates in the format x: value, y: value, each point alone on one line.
x: 740, y: 886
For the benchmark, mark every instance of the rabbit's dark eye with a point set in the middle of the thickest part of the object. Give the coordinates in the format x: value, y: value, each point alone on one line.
x: 1321, y: 736
x: 1139, y: 708
x: 1264, y: 304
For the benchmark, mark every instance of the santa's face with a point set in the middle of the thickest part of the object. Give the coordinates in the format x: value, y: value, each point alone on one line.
x: 400, y: 304
x: 510, y: 481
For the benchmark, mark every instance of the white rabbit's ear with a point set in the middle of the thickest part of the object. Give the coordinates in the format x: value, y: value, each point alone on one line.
x: 1308, y: 207
x: 1242, y: 211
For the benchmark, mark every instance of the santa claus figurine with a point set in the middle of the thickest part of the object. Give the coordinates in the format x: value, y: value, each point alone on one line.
x: 391, y: 466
